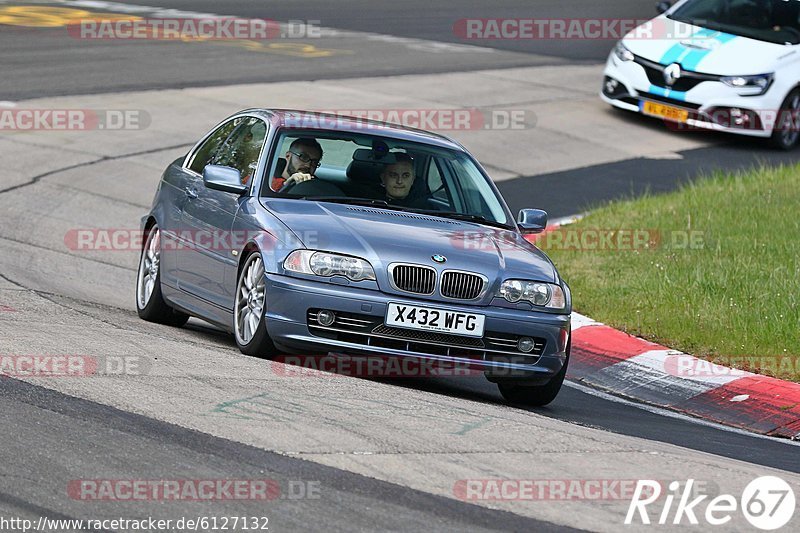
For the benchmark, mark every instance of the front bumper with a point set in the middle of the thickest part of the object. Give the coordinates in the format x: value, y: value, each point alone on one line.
x: 708, y: 104
x: 291, y: 323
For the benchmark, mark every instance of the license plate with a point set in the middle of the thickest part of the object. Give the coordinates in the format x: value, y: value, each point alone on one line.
x: 430, y: 319
x: 665, y: 111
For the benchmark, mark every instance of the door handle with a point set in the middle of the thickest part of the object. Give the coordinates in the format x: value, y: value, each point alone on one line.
x: 191, y: 192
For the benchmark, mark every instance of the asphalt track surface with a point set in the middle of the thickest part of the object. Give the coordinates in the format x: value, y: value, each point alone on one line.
x: 60, y: 434
x: 154, y: 450
x: 48, y: 64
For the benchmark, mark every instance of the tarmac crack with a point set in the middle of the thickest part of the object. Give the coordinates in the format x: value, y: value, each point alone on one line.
x: 98, y: 195
x: 45, y: 248
x: 54, y: 298
x: 103, y: 159
x: 11, y: 281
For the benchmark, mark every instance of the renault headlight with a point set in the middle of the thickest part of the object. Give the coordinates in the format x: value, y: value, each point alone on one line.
x: 622, y: 52
x: 325, y: 265
x: 538, y: 293
x: 760, y: 82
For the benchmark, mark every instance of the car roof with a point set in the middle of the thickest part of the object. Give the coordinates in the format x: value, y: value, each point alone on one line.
x: 312, y: 120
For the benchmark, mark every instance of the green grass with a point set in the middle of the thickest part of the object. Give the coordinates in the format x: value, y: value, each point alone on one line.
x: 732, y: 297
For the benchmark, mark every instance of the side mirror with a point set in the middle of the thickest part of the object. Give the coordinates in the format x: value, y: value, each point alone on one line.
x: 225, y: 179
x: 663, y: 7
x: 532, y: 220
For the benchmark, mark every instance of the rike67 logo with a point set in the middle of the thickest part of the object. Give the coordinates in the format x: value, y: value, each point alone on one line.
x: 767, y: 503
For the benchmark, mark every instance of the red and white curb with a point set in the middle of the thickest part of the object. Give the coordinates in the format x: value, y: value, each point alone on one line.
x: 608, y: 359
x: 613, y: 361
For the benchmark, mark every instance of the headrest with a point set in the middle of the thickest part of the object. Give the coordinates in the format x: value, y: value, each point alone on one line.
x: 281, y: 166
x: 365, y: 172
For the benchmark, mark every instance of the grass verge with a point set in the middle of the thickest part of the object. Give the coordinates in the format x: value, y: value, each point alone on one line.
x: 712, y: 269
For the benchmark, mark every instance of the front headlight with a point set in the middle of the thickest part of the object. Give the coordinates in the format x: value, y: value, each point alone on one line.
x: 538, y: 293
x: 325, y: 265
x: 760, y: 82
x: 622, y: 52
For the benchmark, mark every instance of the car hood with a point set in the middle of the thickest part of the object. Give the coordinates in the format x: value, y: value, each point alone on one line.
x: 708, y: 51
x: 384, y: 236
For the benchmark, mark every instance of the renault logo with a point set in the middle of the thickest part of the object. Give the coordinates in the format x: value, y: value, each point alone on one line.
x: 672, y: 74
x: 439, y: 258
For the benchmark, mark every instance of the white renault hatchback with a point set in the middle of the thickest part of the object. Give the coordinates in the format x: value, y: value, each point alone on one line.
x: 726, y: 65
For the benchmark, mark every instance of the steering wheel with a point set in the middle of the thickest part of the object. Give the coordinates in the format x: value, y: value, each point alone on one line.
x: 287, y: 187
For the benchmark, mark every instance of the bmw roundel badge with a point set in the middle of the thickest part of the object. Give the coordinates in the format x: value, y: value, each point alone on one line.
x: 439, y: 258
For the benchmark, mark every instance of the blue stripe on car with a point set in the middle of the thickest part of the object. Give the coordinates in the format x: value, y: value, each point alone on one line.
x: 678, y: 51
x: 690, y: 58
x: 667, y: 93
x: 694, y: 59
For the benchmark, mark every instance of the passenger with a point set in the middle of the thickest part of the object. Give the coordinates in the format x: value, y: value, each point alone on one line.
x: 398, y: 180
x: 302, y: 160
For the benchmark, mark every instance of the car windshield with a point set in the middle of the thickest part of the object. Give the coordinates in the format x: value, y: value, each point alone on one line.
x: 383, y: 172
x: 774, y: 21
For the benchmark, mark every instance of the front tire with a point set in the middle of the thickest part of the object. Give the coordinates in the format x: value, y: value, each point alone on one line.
x: 539, y: 395
x: 250, y: 309
x: 787, y: 127
x: 150, y: 302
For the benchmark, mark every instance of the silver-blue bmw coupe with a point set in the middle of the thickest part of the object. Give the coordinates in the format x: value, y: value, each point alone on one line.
x: 303, y: 232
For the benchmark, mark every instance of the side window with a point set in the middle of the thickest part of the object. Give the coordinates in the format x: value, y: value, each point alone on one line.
x: 211, y: 146
x: 242, y: 148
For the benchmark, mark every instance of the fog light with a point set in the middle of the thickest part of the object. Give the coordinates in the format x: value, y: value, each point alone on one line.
x: 525, y: 344
x: 735, y: 117
x: 613, y: 88
x: 325, y: 317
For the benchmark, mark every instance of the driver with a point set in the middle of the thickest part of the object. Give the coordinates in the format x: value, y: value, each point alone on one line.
x: 302, y: 160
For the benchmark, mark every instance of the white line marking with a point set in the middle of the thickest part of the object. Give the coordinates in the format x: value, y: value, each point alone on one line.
x: 579, y: 321
x: 682, y: 366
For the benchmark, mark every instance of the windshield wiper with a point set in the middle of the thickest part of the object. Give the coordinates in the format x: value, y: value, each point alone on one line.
x: 466, y: 217
x: 383, y: 204
x: 345, y: 200
x: 369, y: 202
